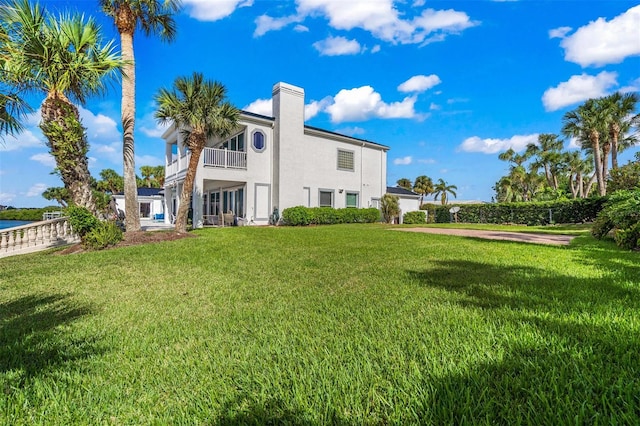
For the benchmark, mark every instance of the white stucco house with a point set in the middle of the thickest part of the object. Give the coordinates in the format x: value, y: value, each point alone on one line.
x: 150, y: 203
x: 408, y: 201
x: 275, y: 162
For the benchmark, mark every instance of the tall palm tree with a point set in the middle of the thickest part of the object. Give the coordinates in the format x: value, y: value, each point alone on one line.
x: 548, y: 155
x: 404, y: 183
x: 423, y: 186
x: 151, y: 16
x: 579, y: 168
x: 588, y: 123
x: 619, y: 109
x: 63, y: 57
x: 441, y: 189
x: 200, y: 110
x: 12, y: 106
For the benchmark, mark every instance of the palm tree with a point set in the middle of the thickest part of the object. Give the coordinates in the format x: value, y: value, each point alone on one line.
x: 588, y: 123
x: 619, y: 110
x: 12, y: 106
x: 548, y: 155
x: 423, y: 186
x: 404, y: 183
x: 200, y: 111
x: 390, y: 207
x: 151, y: 16
x: 63, y: 58
x: 441, y: 189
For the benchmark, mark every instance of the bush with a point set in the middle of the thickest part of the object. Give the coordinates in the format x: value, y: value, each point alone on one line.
x: 105, y: 234
x: 296, y: 216
x: 301, y: 216
x: 389, y: 207
x: 416, y: 217
x: 82, y: 221
x: 530, y: 213
x: 430, y: 210
x: 622, y: 214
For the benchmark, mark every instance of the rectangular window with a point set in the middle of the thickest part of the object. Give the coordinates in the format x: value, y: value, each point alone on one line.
x: 235, y: 143
x: 345, y: 160
x: 352, y: 199
x: 145, y: 210
x: 326, y: 199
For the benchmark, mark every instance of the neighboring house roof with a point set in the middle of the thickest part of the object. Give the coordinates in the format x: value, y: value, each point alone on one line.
x: 402, y: 192
x: 146, y: 192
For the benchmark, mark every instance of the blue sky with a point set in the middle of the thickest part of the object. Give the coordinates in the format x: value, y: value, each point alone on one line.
x: 447, y: 85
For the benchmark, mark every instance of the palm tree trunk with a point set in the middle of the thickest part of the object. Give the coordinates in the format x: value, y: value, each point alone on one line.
x: 587, y: 190
x: 67, y: 142
x: 606, y: 148
x: 132, y: 220
x: 187, y: 187
x: 597, y: 160
x: 615, y: 133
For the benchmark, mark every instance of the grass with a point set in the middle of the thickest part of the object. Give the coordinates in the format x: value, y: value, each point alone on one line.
x: 339, y: 324
x: 566, y: 229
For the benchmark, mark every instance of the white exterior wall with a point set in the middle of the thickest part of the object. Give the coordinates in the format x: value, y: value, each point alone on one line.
x: 156, y: 204
x: 320, y: 160
x: 296, y: 163
x: 407, y: 205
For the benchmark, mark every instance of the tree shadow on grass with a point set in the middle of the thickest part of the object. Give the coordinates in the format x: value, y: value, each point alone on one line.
x: 568, y: 356
x: 31, y: 339
x: 247, y: 411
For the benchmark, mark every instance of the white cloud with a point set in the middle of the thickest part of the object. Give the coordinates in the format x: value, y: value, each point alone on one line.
x: 362, y: 103
x: 6, y: 198
x: 265, y: 23
x: 337, y: 46
x: 434, y: 106
x: 301, y: 29
x: 148, y: 160
x: 419, y: 83
x: 260, y: 106
x: 574, y: 143
x: 351, y: 131
x: 208, y: 10
x: 404, y: 161
x: 577, y: 89
x: 381, y: 18
x: 559, y: 32
x: 427, y: 161
x: 36, y: 190
x: 602, y: 42
x: 492, y: 146
x: 26, y: 139
x: 44, y: 159
x: 376, y: 48
x: 315, y: 107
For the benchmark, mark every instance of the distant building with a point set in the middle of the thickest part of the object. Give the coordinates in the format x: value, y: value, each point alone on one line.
x: 150, y: 203
x: 408, y: 201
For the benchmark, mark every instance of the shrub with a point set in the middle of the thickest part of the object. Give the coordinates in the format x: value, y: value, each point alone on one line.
x: 296, y: 216
x: 82, y: 221
x: 301, y: 216
x: 390, y: 207
x: 430, y: 210
x: 105, y: 234
x: 415, y: 217
x: 622, y: 214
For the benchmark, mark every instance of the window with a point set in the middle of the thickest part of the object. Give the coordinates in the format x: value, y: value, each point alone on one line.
x: 326, y: 198
x: 145, y: 210
x: 345, y: 160
x: 258, y: 141
x: 352, y: 199
x: 236, y: 143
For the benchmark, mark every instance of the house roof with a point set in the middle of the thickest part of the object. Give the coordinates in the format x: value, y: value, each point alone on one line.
x: 396, y: 190
x: 146, y: 192
x: 351, y: 138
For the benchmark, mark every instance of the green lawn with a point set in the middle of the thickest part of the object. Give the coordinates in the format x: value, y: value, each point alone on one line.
x: 346, y: 324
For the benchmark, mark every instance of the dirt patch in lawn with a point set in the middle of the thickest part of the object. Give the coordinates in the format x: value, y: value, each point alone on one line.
x: 136, y: 238
x: 521, y: 237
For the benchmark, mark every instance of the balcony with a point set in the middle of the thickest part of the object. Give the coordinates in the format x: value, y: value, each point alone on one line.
x: 225, y: 159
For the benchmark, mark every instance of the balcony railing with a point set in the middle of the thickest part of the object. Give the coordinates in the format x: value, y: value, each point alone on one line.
x: 225, y: 159
x: 36, y: 237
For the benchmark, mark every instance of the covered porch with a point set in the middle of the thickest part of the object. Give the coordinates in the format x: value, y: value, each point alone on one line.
x: 223, y: 203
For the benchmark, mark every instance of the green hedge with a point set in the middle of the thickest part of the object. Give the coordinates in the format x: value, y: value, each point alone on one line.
x: 27, y: 214
x: 415, y: 217
x: 300, y: 216
x: 532, y: 213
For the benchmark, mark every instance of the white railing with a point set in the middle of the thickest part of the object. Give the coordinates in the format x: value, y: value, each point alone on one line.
x: 224, y: 158
x: 36, y: 237
x: 172, y: 168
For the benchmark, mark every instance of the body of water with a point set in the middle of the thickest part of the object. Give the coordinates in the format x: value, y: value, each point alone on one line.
x: 11, y: 223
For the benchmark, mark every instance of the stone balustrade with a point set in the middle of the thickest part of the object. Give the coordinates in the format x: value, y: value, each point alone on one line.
x: 36, y: 236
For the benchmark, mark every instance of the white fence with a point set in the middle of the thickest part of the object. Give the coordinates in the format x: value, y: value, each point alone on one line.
x: 225, y: 159
x: 36, y: 237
